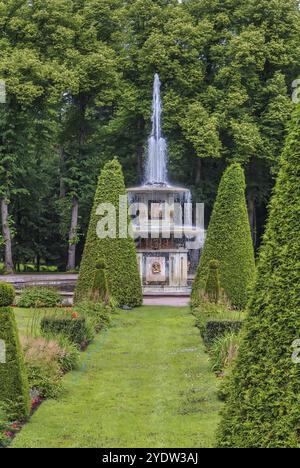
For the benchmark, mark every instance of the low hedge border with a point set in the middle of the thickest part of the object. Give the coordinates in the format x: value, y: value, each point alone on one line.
x: 73, y: 329
x: 214, y: 329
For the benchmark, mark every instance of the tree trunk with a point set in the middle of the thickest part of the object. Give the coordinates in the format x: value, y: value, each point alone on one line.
x: 62, y: 187
x: 252, y: 218
x: 198, y: 171
x: 8, y: 261
x: 72, y: 236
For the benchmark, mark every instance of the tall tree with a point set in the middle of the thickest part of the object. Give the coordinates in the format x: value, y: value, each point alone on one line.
x: 229, y: 241
x: 111, y: 244
x: 31, y: 35
x: 84, y: 109
x: 263, y: 404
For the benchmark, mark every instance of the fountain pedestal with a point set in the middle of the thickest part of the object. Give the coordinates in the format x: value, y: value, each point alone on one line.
x: 166, y: 263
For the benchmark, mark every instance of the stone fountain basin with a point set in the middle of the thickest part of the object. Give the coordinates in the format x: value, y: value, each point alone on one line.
x: 157, y: 188
x: 176, y: 230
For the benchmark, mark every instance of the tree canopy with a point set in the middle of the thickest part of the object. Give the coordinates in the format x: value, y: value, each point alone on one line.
x: 78, y: 78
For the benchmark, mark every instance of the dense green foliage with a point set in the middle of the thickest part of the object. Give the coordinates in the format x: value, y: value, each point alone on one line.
x: 224, y: 351
x: 62, y: 323
x: 212, y: 287
x: 214, y: 320
x: 36, y: 296
x: 119, y: 253
x: 229, y: 241
x: 99, y: 314
x: 7, y: 294
x: 215, y: 329
x: 263, y: 402
x: 13, y: 378
x: 79, y: 77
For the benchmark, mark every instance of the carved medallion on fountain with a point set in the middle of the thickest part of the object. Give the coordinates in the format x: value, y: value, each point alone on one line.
x: 162, y: 219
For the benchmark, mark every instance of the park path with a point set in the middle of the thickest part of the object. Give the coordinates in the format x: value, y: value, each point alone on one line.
x: 146, y: 382
x: 66, y: 284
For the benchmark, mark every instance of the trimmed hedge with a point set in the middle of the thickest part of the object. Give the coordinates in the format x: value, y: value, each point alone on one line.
x: 215, y: 329
x: 14, y: 387
x: 263, y: 406
x: 75, y: 329
x: 36, y: 296
x: 119, y: 254
x: 7, y: 294
x: 229, y: 242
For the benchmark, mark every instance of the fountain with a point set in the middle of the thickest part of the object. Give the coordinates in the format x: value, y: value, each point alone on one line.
x: 168, y: 244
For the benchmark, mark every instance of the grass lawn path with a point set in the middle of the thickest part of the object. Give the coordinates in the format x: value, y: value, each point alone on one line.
x: 146, y: 382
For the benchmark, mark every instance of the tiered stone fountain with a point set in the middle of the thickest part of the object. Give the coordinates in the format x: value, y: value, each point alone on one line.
x: 162, y: 220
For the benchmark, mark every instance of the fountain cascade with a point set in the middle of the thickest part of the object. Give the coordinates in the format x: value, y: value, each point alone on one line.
x: 168, y: 245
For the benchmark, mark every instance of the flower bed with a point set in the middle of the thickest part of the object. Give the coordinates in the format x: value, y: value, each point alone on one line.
x: 65, y: 331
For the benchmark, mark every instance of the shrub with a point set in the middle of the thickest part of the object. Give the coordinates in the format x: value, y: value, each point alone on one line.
x: 224, y: 351
x: 119, y: 254
x: 217, y: 329
x: 58, y: 349
x: 96, y: 312
x: 44, y: 377
x: 7, y: 294
x: 262, y: 409
x: 69, y: 324
x: 213, y: 282
x: 13, y: 378
x: 69, y: 359
x: 229, y: 241
x: 39, y: 297
x: 5, y: 426
x: 215, y: 320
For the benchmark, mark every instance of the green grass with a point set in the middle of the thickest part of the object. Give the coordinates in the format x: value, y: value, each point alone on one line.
x: 146, y: 382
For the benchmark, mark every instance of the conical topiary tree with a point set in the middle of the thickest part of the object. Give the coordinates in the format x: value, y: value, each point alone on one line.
x: 14, y: 387
x: 263, y: 404
x: 229, y: 241
x: 118, y: 253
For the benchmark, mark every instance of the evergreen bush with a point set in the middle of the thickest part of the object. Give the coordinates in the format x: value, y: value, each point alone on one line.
x: 36, y: 296
x: 7, y: 294
x: 118, y: 253
x: 229, y: 241
x: 263, y: 393
x: 14, y: 385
